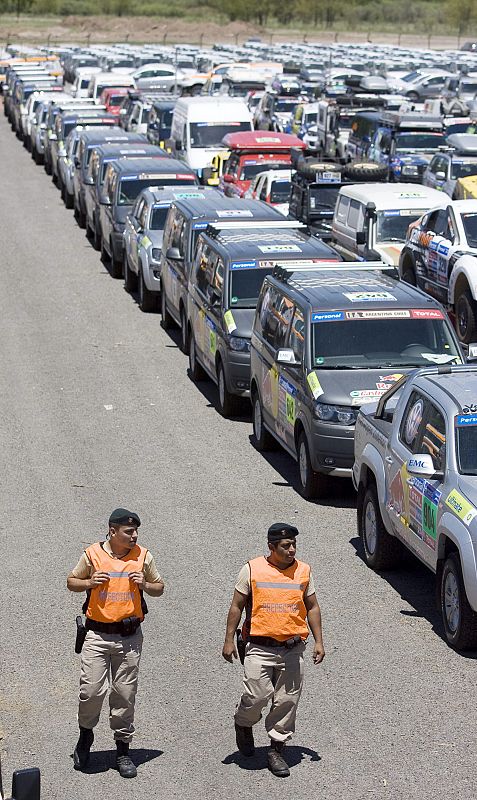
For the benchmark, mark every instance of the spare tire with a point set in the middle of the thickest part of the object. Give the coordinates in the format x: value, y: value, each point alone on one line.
x: 365, y: 171
x: 308, y: 167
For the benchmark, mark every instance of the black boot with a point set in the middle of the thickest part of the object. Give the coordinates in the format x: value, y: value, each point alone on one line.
x: 244, y: 739
x: 83, y: 746
x: 124, y: 764
x: 276, y: 763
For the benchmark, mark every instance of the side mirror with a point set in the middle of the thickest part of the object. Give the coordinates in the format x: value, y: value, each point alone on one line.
x: 213, y: 296
x: 360, y: 237
x: 287, y: 356
x: 421, y: 464
x: 173, y: 254
x: 472, y: 352
x: 440, y: 176
x: 105, y: 201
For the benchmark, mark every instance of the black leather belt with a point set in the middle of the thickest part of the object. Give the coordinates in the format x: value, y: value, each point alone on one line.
x: 267, y: 641
x: 124, y: 628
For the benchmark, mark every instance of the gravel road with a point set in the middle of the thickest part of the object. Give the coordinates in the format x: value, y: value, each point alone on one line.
x: 96, y: 411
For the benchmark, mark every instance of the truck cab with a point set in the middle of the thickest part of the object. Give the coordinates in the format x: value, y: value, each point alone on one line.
x: 252, y: 153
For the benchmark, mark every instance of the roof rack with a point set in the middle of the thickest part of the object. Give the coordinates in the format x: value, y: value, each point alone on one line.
x: 214, y: 228
x: 284, y: 274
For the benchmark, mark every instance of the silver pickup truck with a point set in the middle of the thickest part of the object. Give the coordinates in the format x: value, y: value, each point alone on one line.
x: 415, y: 472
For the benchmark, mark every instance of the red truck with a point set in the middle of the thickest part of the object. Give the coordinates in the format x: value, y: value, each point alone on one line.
x: 112, y: 97
x: 252, y: 152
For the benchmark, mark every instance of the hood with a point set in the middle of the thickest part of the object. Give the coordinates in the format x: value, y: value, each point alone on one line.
x: 243, y: 319
x: 155, y: 238
x: 354, y: 387
x: 390, y: 252
x: 415, y: 157
x: 200, y: 157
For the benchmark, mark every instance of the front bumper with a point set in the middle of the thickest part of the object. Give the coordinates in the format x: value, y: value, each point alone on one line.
x: 152, y: 276
x: 332, y: 447
x: 237, y: 373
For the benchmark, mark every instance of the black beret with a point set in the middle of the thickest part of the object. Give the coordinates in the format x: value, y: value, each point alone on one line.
x: 281, y: 530
x: 121, y: 516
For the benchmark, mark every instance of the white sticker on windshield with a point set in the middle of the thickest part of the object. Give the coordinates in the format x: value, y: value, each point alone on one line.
x: 438, y: 358
x: 279, y: 248
x: 369, y: 297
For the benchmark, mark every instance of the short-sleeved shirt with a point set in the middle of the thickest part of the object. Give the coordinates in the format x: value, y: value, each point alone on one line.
x: 84, y: 568
x: 243, y: 582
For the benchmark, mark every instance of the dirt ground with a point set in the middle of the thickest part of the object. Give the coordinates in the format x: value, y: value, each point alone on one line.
x: 101, y: 29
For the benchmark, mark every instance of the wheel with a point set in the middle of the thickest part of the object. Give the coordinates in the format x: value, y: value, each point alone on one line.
x: 413, y: 97
x: 409, y: 276
x: 166, y: 321
x: 38, y: 157
x: 130, y: 278
x: 148, y: 301
x: 184, y: 333
x: 196, y: 89
x: 381, y: 550
x: 460, y: 621
x: 263, y: 439
x: 229, y: 404
x: 195, y: 370
x: 312, y: 484
x: 47, y: 166
x: 365, y: 171
x: 308, y: 167
x: 105, y: 258
x: 116, y: 268
x: 79, y: 216
x: 465, y: 314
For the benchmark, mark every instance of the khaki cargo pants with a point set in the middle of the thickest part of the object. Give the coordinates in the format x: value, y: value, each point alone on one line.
x: 108, y: 658
x: 276, y: 674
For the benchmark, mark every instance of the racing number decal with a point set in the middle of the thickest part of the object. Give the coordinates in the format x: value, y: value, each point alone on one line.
x: 291, y: 414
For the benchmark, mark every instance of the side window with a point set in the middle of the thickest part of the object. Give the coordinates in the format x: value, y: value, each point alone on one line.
x: 412, y: 422
x: 206, y: 270
x: 354, y: 214
x: 177, y: 239
x: 342, y: 210
x: 142, y: 215
x: 218, y: 278
x: 297, y: 334
x: 267, y: 318
x: 112, y: 187
x: 432, y: 438
x: 430, y: 223
x: 202, y: 259
x: 283, y: 312
x: 263, y: 190
x: 138, y: 206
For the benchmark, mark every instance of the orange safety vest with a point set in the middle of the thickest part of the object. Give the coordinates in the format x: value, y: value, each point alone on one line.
x: 278, y: 600
x: 117, y: 598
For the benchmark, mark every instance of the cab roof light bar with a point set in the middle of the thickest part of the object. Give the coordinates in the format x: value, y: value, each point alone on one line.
x: 330, y: 266
x: 214, y: 229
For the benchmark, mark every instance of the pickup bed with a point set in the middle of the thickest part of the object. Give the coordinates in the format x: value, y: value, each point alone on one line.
x: 415, y: 472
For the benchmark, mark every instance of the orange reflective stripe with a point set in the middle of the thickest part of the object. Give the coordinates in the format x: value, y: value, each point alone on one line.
x: 117, y: 598
x: 278, y: 599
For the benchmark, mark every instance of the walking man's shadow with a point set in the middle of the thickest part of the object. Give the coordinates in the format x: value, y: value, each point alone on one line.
x: 294, y: 754
x: 102, y: 760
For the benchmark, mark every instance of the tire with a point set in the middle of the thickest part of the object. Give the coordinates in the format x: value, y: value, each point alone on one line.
x: 104, y: 254
x: 413, y: 97
x: 313, y: 485
x: 196, y: 89
x: 130, y: 278
x: 97, y: 234
x: 79, y: 216
x: 228, y: 404
x: 38, y: 158
x: 365, y: 171
x: 184, y: 333
x: 166, y: 321
x: 460, y: 621
x: 409, y: 275
x: 148, y: 301
x: 308, y: 167
x: 465, y: 317
x: 381, y: 551
x: 116, y: 268
x: 47, y: 166
x: 264, y: 440
x: 196, y: 372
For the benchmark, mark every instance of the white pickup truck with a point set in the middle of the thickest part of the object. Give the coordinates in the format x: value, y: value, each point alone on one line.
x: 415, y: 471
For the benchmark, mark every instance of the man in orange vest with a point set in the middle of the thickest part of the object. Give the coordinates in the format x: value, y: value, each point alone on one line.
x: 115, y: 574
x: 278, y: 594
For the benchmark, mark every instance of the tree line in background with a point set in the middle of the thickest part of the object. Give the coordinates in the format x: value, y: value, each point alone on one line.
x: 421, y: 16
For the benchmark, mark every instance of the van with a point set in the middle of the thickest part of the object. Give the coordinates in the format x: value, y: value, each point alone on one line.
x: 199, y: 125
x: 230, y: 264
x: 371, y: 219
x: 186, y: 219
x: 326, y: 340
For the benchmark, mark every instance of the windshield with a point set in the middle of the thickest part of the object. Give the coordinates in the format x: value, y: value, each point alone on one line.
x: 249, y: 171
x: 383, y: 343
x: 345, y: 122
x: 210, y: 134
x: 158, y: 218
x: 419, y: 141
x: 309, y: 118
x: 280, y: 191
x: 460, y: 127
x: 468, y: 88
x: 245, y: 286
x: 392, y: 225
x: 466, y: 445
x: 463, y: 170
x: 323, y: 198
x: 115, y: 99
x: 285, y: 106
x: 130, y: 188
x: 469, y: 222
x: 84, y: 83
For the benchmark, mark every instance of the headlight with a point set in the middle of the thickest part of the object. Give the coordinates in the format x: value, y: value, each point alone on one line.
x: 410, y: 169
x: 156, y: 253
x: 240, y: 344
x: 338, y: 415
